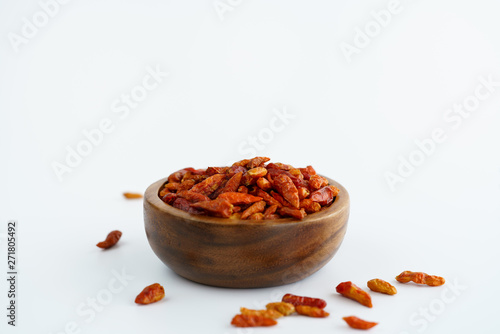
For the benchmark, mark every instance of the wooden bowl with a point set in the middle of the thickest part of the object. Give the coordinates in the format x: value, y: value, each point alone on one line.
x: 243, y: 253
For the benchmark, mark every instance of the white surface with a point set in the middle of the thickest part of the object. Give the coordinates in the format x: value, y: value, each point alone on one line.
x: 352, y: 121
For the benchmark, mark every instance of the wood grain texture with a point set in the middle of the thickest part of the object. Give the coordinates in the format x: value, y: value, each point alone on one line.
x: 242, y: 253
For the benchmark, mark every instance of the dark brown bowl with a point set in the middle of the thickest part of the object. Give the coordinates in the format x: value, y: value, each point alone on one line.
x: 243, y: 253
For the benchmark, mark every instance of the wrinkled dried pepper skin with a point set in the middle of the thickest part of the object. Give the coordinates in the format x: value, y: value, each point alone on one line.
x: 239, y: 198
x: 308, y: 172
x: 150, y: 294
x: 216, y: 170
x: 253, y: 209
x: 169, y: 198
x: 257, y: 162
x: 281, y: 307
x: 244, y: 320
x: 270, y: 211
x: 292, y: 212
x: 184, y: 205
x: 264, y: 184
x: 268, y: 313
x: 219, y: 207
x: 420, y: 278
x: 270, y: 200
x: 325, y: 195
x: 307, y: 301
x: 192, y: 196
x: 111, y: 240
x: 286, y: 191
x: 381, y: 286
x: 209, y: 185
x: 303, y: 193
x: 310, y: 206
x: 357, y: 323
x: 351, y: 291
x: 311, y: 311
x: 278, y: 165
x: 316, y: 182
x: 232, y: 184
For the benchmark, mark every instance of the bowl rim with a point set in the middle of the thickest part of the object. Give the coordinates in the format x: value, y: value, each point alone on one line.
x: 340, y: 204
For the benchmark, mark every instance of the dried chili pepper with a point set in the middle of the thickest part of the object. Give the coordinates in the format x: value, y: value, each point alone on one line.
x: 310, y: 206
x: 239, y: 198
x: 292, y: 212
x: 242, y: 163
x: 257, y: 172
x: 177, y: 176
x: 308, y: 172
x: 254, y: 208
x: 257, y: 162
x: 279, y: 165
x: 209, y: 185
x: 235, y: 170
x: 279, y: 199
x: 420, y: 278
x: 381, y: 286
x: 184, y: 205
x: 270, y: 200
x: 216, y: 170
x: 264, y: 184
x: 232, y: 184
x: 243, y: 320
x: 255, y: 216
x: 268, y: 313
x: 282, y: 307
x: 303, y: 192
x: 150, y: 294
x: 325, y: 195
x: 191, y: 196
x: 299, y: 300
x: 357, y: 323
x: 311, y: 311
x: 186, y: 185
x: 270, y: 210
x: 316, y: 182
x: 111, y: 240
x: 163, y: 192
x: 287, y: 189
x: 172, y: 186
x: 169, y: 198
x: 352, y: 291
x: 243, y: 189
x: 219, y: 207
x: 132, y: 195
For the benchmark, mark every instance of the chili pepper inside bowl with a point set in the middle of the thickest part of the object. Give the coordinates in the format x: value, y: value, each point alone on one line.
x: 236, y: 253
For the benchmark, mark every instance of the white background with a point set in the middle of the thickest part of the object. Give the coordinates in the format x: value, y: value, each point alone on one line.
x: 352, y: 120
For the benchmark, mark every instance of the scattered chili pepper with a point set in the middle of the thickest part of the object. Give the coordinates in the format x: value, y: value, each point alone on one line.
x: 299, y: 300
x: 381, y: 286
x: 268, y: 313
x: 357, y: 323
x: 132, y: 195
x: 150, y: 294
x: 281, y: 307
x: 311, y: 311
x: 111, y: 240
x: 351, y: 291
x: 244, y: 320
x: 420, y: 278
